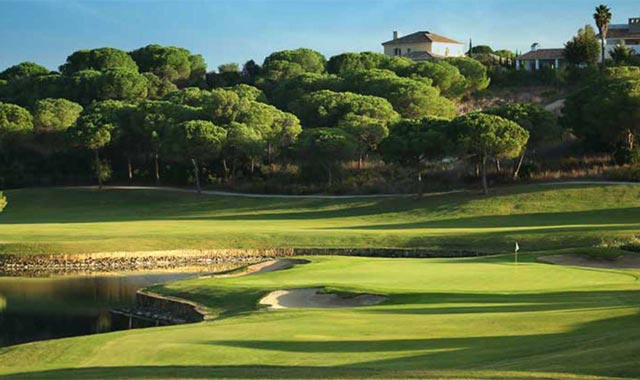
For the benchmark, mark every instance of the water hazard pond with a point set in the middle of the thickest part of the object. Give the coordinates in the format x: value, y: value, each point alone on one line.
x: 54, y: 307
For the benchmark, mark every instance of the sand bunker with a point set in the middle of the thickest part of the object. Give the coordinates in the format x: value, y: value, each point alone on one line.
x: 623, y: 262
x: 263, y: 267
x: 314, y: 298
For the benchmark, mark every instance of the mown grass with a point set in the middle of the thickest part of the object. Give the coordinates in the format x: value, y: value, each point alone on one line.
x: 476, y: 318
x: 540, y: 217
x: 479, y: 318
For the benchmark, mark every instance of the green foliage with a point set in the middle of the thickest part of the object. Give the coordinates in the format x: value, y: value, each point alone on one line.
x: 369, y: 131
x: 55, y: 115
x: 171, y: 63
x: 200, y: 139
x: 474, y: 72
x: 309, y: 60
x: 158, y: 87
x: 244, y: 143
x: 98, y: 59
x: 23, y: 70
x: 14, y: 120
x: 277, y: 128
x: 584, y: 48
x: 3, y: 204
x: 444, y: 76
x: 122, y: 84
x: 481, y: 49
x: 602, y: 17
x: 224, y: 106
x: 27, y: 90
x: 483, y: 136
x: 326, y: 108
x: 623, y: 72
x: 541, y: 124
x: 347, y: 63
x: 605, y: 113
x: 621, y: 54
x: 325, y: 149
x: 248, y: 92
x: 410, y: 98
x: 287, y: 92
x: 412, y: 141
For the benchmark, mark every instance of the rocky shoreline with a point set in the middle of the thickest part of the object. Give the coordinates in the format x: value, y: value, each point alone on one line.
x: 34, y: 265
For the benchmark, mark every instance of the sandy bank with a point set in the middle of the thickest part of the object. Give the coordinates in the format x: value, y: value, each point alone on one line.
x: 314, y: 298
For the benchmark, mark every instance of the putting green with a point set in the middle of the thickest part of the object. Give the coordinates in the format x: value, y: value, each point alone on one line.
x: 474, y: 318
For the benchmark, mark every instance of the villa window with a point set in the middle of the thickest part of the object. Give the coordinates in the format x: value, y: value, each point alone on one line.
x: 397, y: 51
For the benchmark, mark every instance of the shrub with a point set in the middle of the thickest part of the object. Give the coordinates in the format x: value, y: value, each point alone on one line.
x: 3, y: 202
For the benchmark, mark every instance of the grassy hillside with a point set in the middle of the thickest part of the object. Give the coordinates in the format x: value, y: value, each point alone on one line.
x: 478, y: 318
x: 540, y: 217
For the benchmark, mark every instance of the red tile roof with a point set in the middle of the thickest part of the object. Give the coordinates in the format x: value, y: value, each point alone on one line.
x: 542, y: 54
x: 622, y: 33
x: 423, y: 36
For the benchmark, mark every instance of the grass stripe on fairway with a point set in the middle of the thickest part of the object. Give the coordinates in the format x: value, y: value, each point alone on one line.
x: 540, y: 217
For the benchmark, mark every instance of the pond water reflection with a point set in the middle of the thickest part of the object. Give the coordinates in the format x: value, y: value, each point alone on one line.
x: 55, y: 307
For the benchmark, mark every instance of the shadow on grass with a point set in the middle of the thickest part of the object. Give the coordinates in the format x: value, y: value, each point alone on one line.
x: 605, y: 347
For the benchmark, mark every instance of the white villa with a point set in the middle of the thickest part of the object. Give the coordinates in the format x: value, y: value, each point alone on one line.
x: 423, y: 46
x: 629, y: 33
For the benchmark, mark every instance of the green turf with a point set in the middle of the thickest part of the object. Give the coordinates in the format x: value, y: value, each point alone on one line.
x: 540, y: 217
x: 480, y: 318
x: 476, y: 318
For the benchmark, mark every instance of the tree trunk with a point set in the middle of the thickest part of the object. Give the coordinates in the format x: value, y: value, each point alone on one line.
x: 630, y: 139
x: 98, y: 168
x: 360, y: 160
x: 269, y: 151
x: 516, y: 171
x: 419, y: 184
x: 483, y: 165
x: 196, y: 171
x: 129, y: 169
x: 157, y: 167
x: 498, y: 166
x: 253, y: 166
x: 226, y: 170
x: 602, y: 44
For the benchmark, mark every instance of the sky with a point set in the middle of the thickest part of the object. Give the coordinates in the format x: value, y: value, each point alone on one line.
x: 47, y: 31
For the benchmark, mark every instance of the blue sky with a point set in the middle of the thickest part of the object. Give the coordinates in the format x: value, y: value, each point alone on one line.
x: 235, y: 31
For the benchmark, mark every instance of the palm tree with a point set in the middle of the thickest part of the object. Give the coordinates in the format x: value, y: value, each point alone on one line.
x: 602, y: 16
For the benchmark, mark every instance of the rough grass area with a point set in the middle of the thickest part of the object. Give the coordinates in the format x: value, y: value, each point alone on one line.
x: 539, y: 217
x: 480, y: 318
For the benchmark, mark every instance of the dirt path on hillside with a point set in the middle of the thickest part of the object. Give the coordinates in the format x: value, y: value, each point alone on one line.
x: 314, y: 298
x: 629, y: 261
x: 251, y: 195
x: 320, y: 196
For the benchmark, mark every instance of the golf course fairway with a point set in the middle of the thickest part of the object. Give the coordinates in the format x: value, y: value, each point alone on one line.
x: 452, y: 318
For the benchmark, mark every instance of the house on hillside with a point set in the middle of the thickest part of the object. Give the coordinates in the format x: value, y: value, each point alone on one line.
x: 628, y: 33
x: 537, y: 59
x: 423, y: 46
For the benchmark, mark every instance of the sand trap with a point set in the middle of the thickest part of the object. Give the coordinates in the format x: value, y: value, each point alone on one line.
x: 263, y: 267
x: 623, y: 262
x: 313, y: 298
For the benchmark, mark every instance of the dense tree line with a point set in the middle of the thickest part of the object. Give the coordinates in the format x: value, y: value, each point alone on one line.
x: 155, y: 114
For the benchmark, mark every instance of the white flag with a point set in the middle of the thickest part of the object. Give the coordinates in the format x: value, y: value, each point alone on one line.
x: 517, y: 247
